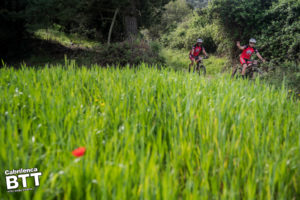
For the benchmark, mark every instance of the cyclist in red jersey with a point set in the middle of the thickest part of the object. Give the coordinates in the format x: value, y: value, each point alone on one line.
x: 245, y: 57
x: 195, y: 53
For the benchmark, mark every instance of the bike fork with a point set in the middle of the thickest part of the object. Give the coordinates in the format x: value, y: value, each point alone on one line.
x: 196, y: 68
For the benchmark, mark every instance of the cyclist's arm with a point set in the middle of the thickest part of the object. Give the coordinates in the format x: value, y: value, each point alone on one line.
x: 192, y: 53
x: 204, y: 52
x: 238, y: 44
x: 260, y: 57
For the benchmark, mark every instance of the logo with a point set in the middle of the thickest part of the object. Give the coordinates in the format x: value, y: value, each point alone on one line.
x: 16, y: 180
x: 249, y: 52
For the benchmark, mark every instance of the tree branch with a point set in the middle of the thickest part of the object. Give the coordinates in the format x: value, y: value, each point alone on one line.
x: 112, y: 25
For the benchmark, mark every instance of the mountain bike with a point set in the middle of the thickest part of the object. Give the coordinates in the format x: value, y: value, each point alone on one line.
x: 252, y: 71
x: 200, y: 66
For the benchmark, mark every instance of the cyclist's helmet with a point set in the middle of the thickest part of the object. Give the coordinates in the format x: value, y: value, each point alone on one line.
x: 200, y: 40
x: 252, y: 40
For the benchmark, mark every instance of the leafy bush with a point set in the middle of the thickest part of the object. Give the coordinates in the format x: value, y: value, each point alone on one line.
x: 198, y: 3
x: 280, y: 34
x: 174, y: 13
x: 274, y: 23
x: 187, y: 32
x: 132, y: 52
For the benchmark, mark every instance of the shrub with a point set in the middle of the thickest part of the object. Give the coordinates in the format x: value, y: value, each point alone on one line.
x: 132, y: 52
x: 187, y: 32
x: 174, y: 13
x: 280, y: 35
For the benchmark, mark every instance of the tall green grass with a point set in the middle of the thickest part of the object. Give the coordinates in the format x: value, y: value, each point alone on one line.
x: 149, y: 134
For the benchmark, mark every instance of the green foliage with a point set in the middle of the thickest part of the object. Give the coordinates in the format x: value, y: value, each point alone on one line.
x: 132, y: 52
x: 148, y: 133
x: 88, y: 18
x: 187, y: 32
x: 52, y: 45
x: 42, y: 14
x: 155, y: 47
x: 174, y: 13
x: 240, y: 19
x: 237, y: 19
x: 198, y: 3
x: 274, y: 23
x: 280, y: 35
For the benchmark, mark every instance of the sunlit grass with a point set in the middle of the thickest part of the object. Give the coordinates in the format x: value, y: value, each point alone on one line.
x: 65, y: 39
x: 148, y: 134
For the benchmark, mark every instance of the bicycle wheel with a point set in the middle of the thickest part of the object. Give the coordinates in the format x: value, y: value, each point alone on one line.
x: 197, y: 68
x: 257, y: 72
x: 237, y: 71
x: 203, y: 69
x: 234, y: 72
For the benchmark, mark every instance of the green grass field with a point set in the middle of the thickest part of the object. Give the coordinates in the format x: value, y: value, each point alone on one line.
x: 149, y: 134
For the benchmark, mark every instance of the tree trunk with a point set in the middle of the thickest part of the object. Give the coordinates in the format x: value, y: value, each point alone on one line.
x: 131, y: 26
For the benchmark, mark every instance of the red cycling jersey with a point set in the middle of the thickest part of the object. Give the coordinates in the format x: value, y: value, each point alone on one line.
x: 197, y: 50
x: 248, y: 51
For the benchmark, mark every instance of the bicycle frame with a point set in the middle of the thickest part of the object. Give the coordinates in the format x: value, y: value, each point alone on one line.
x: 199, y: 64
x: 252, y: 67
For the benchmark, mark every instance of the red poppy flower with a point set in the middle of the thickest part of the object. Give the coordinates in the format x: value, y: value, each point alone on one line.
x: 79, y: 151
